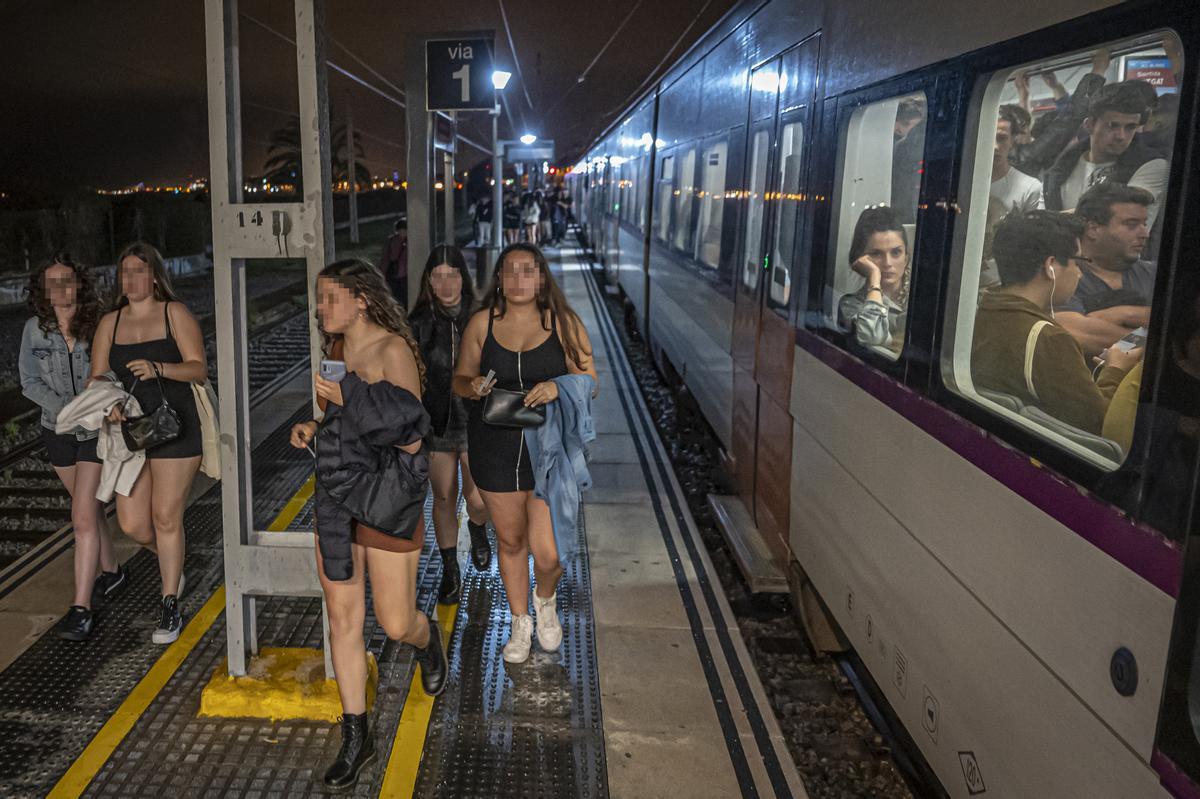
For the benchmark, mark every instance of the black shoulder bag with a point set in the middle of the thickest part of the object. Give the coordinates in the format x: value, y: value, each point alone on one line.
x: 504, y: 408
x: 149, y: 430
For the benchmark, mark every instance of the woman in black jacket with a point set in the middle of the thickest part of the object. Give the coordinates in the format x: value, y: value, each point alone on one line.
x: 371, y: 432
x: 445, y: 303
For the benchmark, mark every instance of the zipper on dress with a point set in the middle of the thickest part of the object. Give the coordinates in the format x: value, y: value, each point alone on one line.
x: 521, y: 439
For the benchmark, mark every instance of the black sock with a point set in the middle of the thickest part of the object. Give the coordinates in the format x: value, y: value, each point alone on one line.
x: 449, y: 555
x: 476, y: 527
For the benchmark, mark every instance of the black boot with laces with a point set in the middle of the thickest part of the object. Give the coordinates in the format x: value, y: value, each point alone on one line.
x: 358, y: 750
x: 432, y: 659
x: 451, y: 585
x: 481, y: 549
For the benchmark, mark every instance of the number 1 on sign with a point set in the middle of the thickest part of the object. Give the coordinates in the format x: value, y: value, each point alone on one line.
x: 464, y: 75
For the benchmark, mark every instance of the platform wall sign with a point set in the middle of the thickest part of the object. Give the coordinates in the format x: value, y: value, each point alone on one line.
x: 458, y: 74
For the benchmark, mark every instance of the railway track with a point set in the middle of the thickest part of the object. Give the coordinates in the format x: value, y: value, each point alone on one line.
x: 35, y: 510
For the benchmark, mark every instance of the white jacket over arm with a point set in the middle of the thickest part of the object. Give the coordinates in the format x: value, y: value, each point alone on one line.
x: 89, y: 411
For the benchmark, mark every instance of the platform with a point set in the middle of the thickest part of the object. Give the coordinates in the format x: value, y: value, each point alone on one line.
x: 652, y: 693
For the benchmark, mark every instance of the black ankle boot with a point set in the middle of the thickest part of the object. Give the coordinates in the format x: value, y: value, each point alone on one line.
x: 432, y: 659
x: 451, y: 584
x: 358, y: 749
x: 481, y: 550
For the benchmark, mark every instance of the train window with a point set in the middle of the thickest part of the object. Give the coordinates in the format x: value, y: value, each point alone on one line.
x: 712, y: 196
x: 662, y: 210
x: 759, y: 152
x: 875, y: 223
x: 1064, y: 183
x: 685, y: 190
x: 787, y: 205
x: 643, y: 179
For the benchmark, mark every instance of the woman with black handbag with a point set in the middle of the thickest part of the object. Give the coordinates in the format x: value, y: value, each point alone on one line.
x: 525, y: 337
x: 444, y: 304
x: 154, y: 348
x: 372, y: 478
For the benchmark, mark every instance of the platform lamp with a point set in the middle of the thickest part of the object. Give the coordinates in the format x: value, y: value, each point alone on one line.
x: 500, y: 79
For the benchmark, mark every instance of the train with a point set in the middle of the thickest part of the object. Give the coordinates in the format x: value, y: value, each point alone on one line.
x: 1025, y: 594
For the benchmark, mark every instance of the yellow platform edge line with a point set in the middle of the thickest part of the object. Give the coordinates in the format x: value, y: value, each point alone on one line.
x: 400, y: 779
x: 100, y: 748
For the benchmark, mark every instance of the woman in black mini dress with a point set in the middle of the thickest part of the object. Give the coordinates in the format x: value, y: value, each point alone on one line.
x: 528, y: 335
x: 152, y: 333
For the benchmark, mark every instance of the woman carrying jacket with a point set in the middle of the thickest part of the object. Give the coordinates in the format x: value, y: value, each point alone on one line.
x: 55, y: 363
x: 445, y: 303
x: 372, y: 427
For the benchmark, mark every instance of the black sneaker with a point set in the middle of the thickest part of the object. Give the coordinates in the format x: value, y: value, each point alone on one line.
x: 170, y: 623
x: 76, y: 625
x: 108, y: 585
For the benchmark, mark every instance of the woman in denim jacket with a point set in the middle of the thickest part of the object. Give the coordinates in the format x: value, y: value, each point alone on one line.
x: 55, y: 365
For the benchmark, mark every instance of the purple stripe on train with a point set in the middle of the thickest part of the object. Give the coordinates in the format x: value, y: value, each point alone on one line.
x: 1144, y: 550
x: 1179, y: 784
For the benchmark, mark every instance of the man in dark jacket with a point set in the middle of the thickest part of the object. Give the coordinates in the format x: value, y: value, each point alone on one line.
x: 394, y: 263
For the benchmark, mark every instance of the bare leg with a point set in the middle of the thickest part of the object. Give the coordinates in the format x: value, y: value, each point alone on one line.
x: 476, y: 510
x: 172, y: 480
x: 443, y: 477
x: 507, y: 510
x: 546, y: 566
x: 133, y: 511
x: 394, y: 591
x: 93, y: 546
x: 346, y: 601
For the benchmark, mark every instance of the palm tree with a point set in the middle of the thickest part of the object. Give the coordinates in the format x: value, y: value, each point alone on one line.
x: 283, y: 158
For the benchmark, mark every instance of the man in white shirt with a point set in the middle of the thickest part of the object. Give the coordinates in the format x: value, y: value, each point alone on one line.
x: 1112, y: 152
x: 1011, y: 189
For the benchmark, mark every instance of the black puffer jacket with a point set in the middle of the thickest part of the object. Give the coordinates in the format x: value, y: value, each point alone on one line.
x: 439, y: 336
x: 353, y: 441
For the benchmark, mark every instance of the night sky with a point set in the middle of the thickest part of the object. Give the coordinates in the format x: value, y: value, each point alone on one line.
x: 103, y: 94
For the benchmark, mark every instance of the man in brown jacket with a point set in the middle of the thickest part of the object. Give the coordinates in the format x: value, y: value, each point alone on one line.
x: 1017, y: 348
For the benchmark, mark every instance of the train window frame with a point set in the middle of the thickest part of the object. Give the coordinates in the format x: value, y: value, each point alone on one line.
x: 683, y: 234
x: 712, y: 202
x: 788, y: 203
x: 664, y: 207
x: 851, y: 113
x: 963, y: 284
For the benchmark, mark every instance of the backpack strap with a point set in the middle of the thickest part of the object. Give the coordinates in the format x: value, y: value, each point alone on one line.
x: 1030, y: 346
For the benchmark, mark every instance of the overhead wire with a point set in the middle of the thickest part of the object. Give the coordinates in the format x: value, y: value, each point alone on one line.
x: 583, y: 75
x: 516, y: 60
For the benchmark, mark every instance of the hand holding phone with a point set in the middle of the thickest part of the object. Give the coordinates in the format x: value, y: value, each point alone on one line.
x: 332, y: 370
x: 1132, y: 340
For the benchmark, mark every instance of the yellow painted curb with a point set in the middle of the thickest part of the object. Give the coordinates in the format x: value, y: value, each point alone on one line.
x: 400, y: 779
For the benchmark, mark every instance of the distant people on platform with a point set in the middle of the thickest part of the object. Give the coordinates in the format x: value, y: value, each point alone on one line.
x: 54, y: 365
x: 879, y: 253
x: 1112, y: 150
x: 1117, y: 286
x: 372, y: 477
x: 511, y: 218
x: 908, y: 156
x: 393, y: 264
x: 531, y: 214
x: 528, y: 349
x: 545, y: 223
x: 154, y: 348
x: 445, y: 303
x: 1018, y: 348
x: 483, y: 220
x: 561, y: 213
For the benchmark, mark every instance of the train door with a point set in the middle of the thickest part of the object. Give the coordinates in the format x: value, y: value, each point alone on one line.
x: 778, y: 137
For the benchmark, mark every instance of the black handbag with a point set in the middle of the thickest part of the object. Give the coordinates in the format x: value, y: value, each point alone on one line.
x: 504, y: 408
x: 149, y: 430
x: 391, y: 499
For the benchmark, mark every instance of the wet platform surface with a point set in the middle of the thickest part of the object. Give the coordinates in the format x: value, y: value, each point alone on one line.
x: 652, y: 693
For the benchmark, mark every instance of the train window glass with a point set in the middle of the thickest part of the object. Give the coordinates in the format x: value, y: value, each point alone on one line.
x: 760, y: 147
x: 684, y: 192
x: 712, y: 196
x: 662, y: 210
x: 1064, y: 183
x: 787, y: 204
x: 882, y: 160
x: 643, y: 180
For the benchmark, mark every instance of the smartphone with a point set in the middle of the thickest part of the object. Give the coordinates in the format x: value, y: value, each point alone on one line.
x: 1132, y: 340
x: 333, y: 371
x: 490, y: 379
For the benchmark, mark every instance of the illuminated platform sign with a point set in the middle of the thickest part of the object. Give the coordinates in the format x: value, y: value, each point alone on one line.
x: 458, y: 74
x: 539, y: 151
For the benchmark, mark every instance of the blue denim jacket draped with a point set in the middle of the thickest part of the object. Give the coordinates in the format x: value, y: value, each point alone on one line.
x: 51, y: 376
x: 558, y: 453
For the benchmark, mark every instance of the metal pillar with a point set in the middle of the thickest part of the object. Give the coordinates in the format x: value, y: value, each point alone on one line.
x: 417, y: 199
x: 498, y: 188
x: 259, y: 563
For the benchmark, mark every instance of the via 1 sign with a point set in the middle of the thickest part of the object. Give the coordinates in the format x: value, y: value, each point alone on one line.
x: 458, y: 75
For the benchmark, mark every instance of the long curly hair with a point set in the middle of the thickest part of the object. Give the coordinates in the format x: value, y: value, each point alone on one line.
x: 451, y: 256
x: 149, y: 255
x: 364, y: 281
x: 87, y: 303
x: 549, y: 298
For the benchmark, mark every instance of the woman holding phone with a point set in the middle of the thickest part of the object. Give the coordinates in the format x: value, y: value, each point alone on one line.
x: 372, y: 429
x: 526, y: 336
x: 444, y: 304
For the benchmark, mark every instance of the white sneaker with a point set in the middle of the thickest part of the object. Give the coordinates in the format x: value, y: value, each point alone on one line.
x: 549, y: 628
x: 519, y: 642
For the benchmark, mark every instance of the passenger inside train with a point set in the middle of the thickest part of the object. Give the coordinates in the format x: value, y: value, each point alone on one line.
x: 1018, y: 349
x: 879, y: 254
